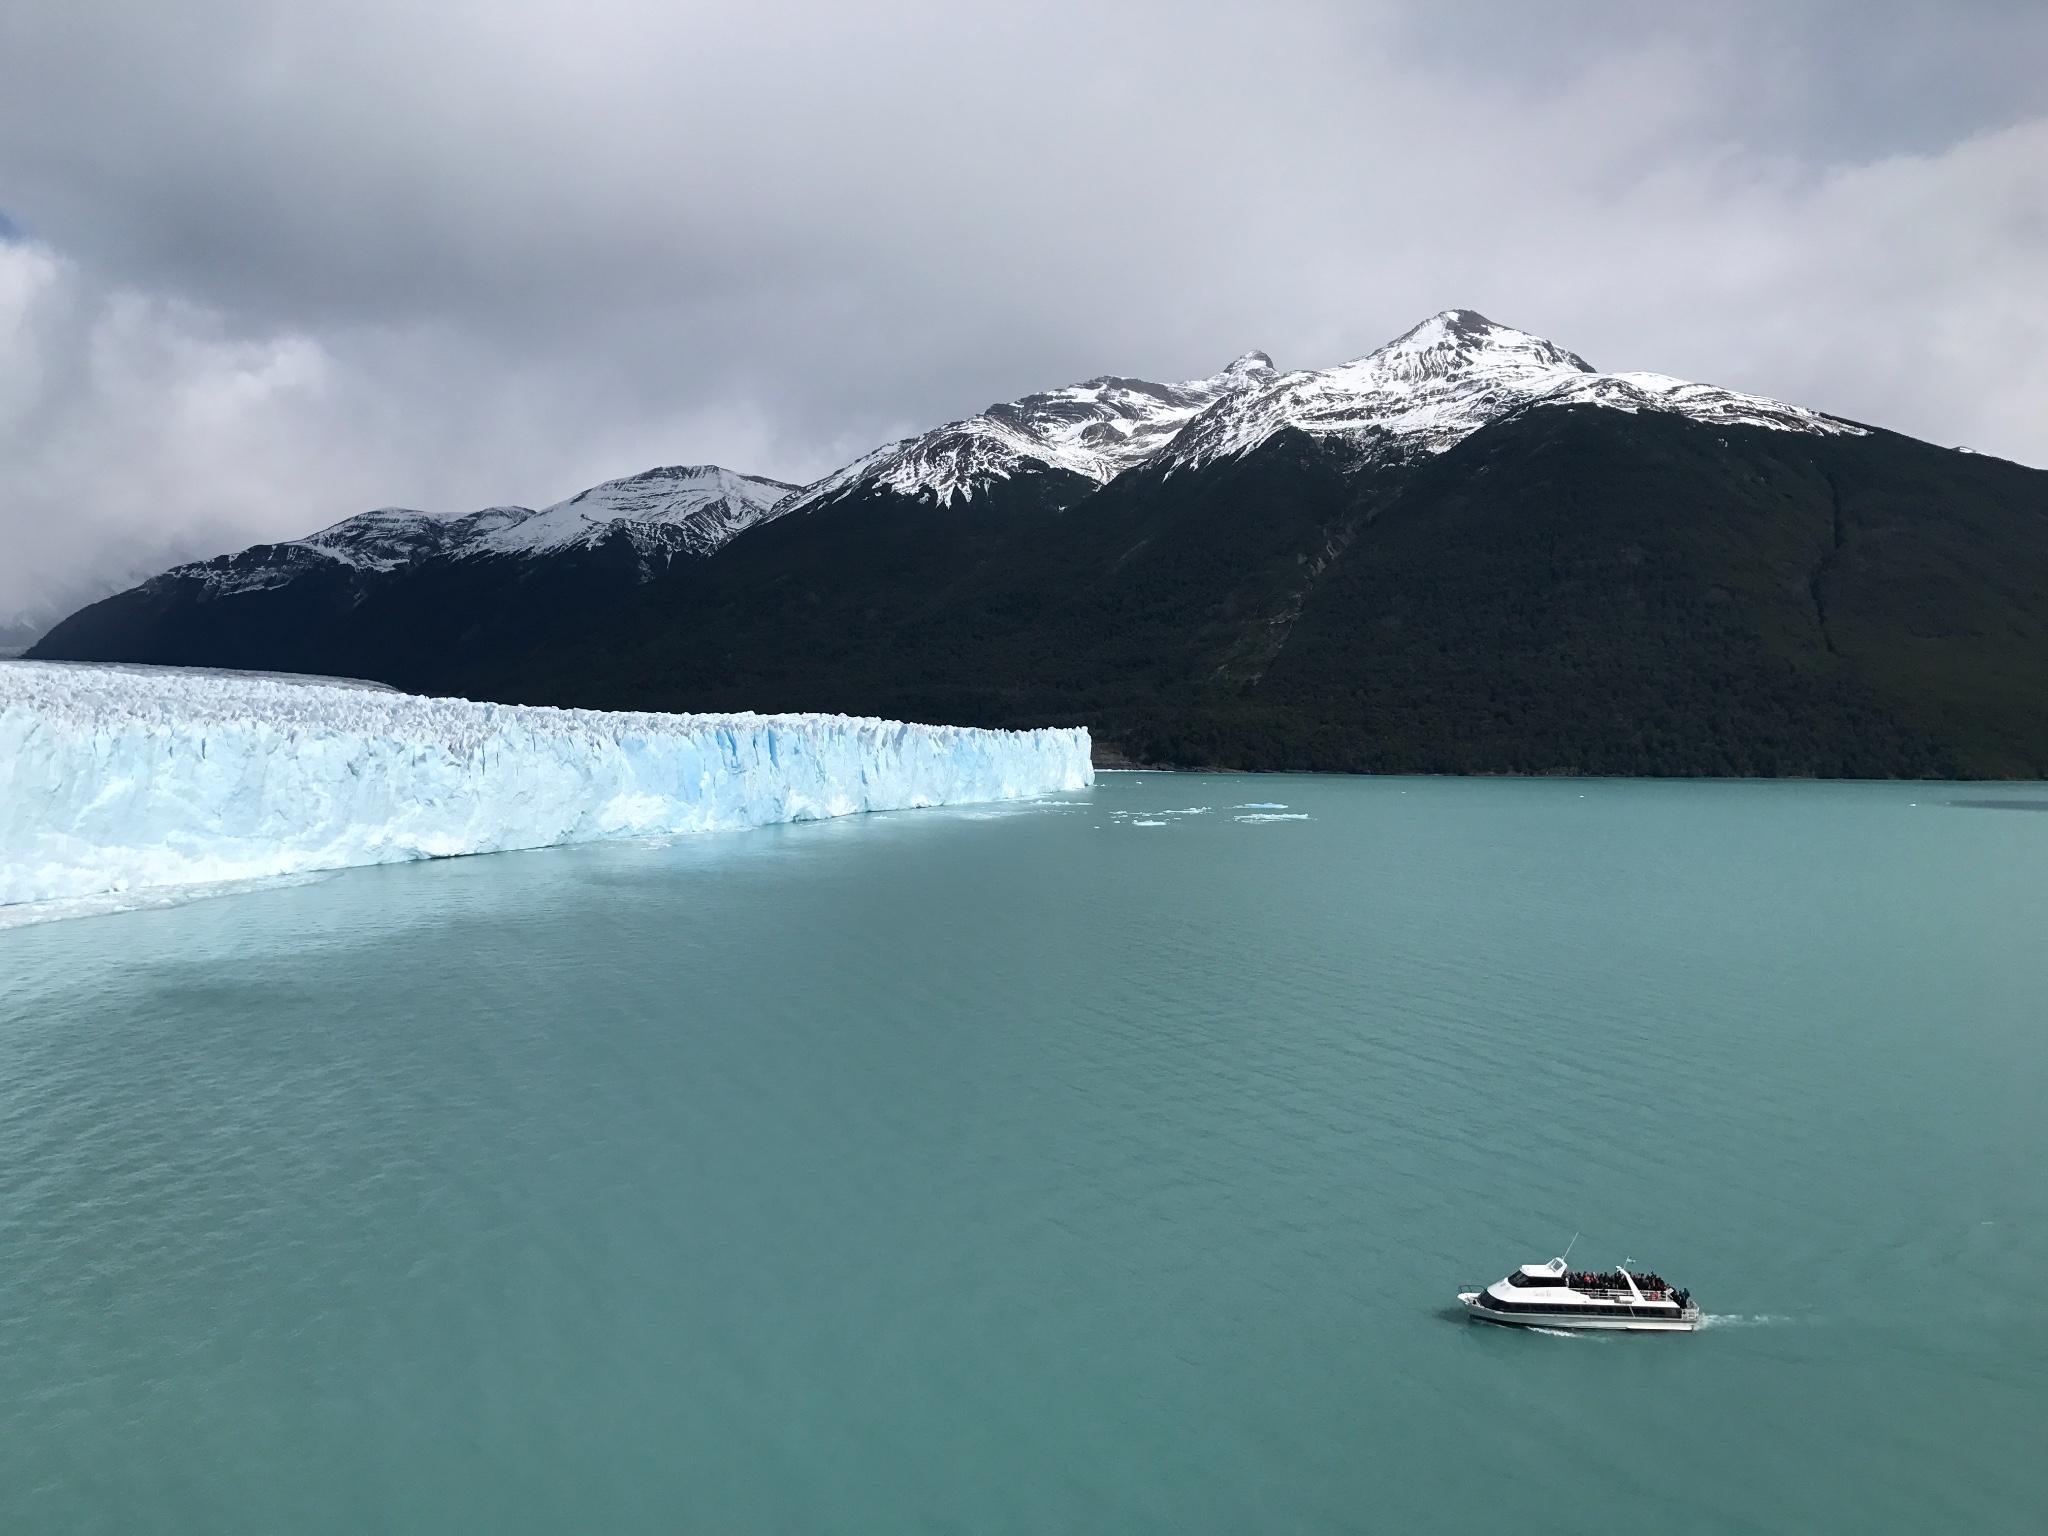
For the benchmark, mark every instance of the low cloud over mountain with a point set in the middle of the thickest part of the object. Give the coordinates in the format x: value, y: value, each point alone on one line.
x: 264, y: 266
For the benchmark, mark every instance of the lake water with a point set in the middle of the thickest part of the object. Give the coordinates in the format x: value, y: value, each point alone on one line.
x: 1104, y: 1164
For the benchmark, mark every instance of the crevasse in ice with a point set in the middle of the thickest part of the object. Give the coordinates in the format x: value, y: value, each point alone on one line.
x: 116, y: 778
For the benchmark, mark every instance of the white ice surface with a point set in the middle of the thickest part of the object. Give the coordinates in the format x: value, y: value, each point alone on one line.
x: 122, y: 779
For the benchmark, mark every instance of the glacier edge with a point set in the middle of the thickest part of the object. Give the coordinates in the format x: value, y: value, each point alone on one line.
x: 116, y: 780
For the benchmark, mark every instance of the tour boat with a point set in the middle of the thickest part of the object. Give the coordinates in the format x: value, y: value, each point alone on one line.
x: 1550, y: 1296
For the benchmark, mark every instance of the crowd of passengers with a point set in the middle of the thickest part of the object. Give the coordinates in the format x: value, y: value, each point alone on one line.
x: 1649, y: 1285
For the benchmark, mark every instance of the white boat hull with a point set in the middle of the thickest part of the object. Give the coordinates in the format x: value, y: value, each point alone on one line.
x: 1620, y: 1321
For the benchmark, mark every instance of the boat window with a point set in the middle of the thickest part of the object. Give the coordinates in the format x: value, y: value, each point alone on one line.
x: 1518, y: 1278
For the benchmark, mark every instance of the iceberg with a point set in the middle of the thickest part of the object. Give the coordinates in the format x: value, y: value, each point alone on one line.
x: 117, y: 778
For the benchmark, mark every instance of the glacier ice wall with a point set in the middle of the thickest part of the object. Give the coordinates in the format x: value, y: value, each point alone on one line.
x: 117, y: 778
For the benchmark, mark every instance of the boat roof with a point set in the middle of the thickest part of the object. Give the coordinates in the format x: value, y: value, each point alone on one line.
x: 1554, y: 1267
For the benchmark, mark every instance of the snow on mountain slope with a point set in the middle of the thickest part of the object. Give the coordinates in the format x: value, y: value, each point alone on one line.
x: 1095, y: 430
x: 1419, y: 394
x: 392, y: 537
x: 1444, y: 380
x: 702, y: 505
x: 676, y: 510
x: 115, y: 779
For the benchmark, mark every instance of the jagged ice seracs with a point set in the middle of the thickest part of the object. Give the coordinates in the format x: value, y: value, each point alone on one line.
x: 121, y: 778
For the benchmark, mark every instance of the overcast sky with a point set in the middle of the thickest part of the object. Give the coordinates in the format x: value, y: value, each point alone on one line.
x: 266, y: 265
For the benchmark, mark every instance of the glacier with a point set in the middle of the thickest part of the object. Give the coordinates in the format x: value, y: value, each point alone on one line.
x: 119, y: 778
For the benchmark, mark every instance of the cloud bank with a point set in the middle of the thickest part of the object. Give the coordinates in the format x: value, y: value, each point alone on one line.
x: 263, y: 267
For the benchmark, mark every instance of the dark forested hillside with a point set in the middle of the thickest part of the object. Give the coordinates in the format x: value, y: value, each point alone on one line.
x: 420, y: 599
x: 1572, y: 589
x: 427, y: 628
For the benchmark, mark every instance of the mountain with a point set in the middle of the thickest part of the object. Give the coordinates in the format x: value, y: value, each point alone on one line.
x: 17, y: 635
x: 425, y: 600
x: 1432, y: 387
x: 1467, y: 552
x: 1073, y: 439
x: 416, y: 598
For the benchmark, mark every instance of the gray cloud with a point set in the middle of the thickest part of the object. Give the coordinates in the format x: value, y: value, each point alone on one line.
x: 267, y: 265
x: 1822, y: 81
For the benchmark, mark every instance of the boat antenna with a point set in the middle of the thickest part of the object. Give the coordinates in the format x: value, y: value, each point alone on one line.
x: 1569, y: 1246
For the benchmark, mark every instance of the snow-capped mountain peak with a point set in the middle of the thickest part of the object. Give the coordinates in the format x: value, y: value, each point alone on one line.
x: 675, y: 510
x: 391, y: 537
x: 1461, y: 342
x: 1439, y: 382
x: 1422, y: 392
x: 698, y: 507
x: 1095, y: 429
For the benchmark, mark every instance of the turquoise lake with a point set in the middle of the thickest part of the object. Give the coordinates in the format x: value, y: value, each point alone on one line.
x: 1104, y: 1163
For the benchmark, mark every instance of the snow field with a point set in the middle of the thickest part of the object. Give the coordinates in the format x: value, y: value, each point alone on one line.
x: 114, y: 779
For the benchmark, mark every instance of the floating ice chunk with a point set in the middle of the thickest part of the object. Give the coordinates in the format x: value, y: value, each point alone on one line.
x: 120, y: 779
x: 1270, y: 816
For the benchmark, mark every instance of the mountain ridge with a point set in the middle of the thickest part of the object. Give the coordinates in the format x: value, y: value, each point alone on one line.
x: 1575, y: 590
x: 1225, y: 572
x: 1448, y: 376
x: 1423, y: 391
x: 1093, y: 430
x: 669, y: 510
